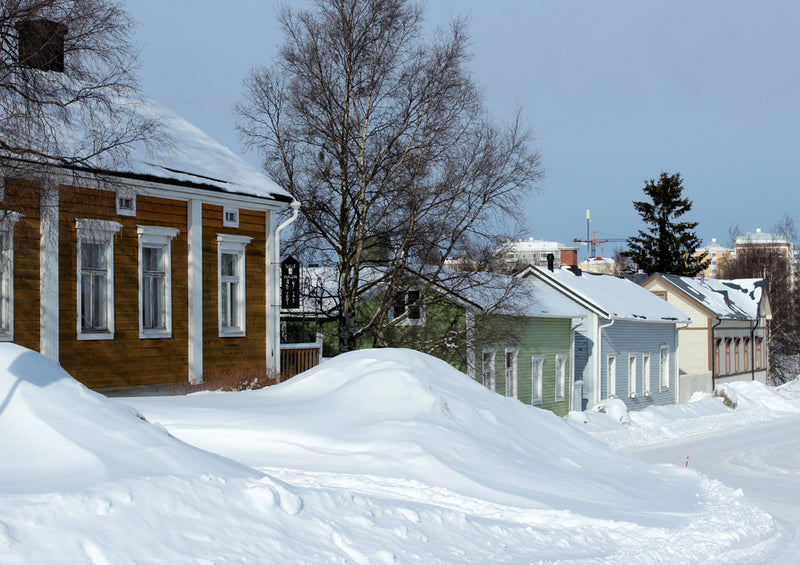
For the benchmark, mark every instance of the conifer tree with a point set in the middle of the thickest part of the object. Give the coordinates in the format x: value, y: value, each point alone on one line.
x: 668, y: 246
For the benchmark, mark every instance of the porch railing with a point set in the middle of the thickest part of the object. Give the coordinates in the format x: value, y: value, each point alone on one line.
x: 299, y: 357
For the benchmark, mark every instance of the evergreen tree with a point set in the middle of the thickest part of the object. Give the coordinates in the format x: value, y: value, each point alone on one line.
x: 668, y: 246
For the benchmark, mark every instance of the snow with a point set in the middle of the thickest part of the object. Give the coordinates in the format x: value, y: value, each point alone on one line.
x: 618, y: 298
x: 728, y: 299
x: 376, y: 456
x: 193, y: 156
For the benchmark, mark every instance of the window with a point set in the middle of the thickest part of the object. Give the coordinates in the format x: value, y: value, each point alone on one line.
x: 646, y: 374
x: 717, y: 358
x: 488, y: 368
x: 409, y: 302
x: 7, y: 221
x: 746, y: 343
x: 537, y: 376
x: 155, y: 281
x: 511, y: 371
x: 561, y: 377
x: 230, y: 217
x: 661, y: 294
x: 632, y: 359
x: 232, y: 292
x: 728, y: 358
x: 126, y: 204
x: 96, y: 278
x: 759, y: 354
x: 736, y: 349
x: 664, y: 368
x: 611, y: 364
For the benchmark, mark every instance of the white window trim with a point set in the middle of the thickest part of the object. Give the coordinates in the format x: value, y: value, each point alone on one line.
x: 7, y: 222
x: 492, y: 385
x: 646, y: 367
x: 161, y: 237
x: 408, y: 321
x: 633, y: 366
x: 233, y: 244
x: 511, y: 373
x: 97, y: 231
x: 537, y: 378
x: 611, y: 375
x: 232, y: 222
x: 663, y: 372
x: 561, y: 377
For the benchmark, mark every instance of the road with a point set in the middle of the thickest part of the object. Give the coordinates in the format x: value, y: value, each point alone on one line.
x: 762, y: 460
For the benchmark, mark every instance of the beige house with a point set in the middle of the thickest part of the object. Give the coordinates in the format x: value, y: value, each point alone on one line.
x: 727, y: 338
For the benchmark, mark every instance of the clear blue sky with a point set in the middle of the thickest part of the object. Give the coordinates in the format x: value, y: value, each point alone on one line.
x: 616, y: 92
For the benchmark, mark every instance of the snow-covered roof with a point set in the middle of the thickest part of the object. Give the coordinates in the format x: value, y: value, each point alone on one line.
x: 194, y: 157
x: 176, y: 152
x: 517, y: 297
x: 482, y: 290
x: 736, y: 299
x: 612, y: 297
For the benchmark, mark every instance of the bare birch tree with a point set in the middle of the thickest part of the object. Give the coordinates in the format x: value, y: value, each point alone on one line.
x: 67, y: 84
x: 384, y: 139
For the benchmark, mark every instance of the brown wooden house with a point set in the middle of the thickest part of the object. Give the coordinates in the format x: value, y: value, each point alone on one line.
x: 159, y: 270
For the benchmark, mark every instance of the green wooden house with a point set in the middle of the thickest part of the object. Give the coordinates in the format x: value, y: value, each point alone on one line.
x: 499, y: 331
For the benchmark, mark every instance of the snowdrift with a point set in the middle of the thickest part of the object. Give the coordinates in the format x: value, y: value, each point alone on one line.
x: 382, y: 456
x: 405, y: 415
x: 55, y: 433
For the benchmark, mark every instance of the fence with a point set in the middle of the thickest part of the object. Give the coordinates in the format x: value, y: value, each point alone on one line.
x: 299, y: 357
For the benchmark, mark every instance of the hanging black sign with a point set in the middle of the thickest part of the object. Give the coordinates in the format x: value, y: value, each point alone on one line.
x: 290, y: 283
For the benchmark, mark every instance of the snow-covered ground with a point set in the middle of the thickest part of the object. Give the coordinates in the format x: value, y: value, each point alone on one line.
x: 381, y: 456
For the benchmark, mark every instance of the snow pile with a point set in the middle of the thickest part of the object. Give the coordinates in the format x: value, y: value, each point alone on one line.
x: 734, y: 404
x: 382, y: 456
x: 55, y: 433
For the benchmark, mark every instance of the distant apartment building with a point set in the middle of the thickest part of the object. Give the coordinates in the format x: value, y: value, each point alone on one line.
x: 600, y: 266
x: 532, y: 251
x: 768, y: 242
x: 781, y: 244
x: 719, y: 257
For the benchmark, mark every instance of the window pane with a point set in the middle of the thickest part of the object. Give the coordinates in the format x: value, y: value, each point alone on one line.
x: 147, y: 301
x: 225, y: 305
x: 99, y: 295
x: 93, y: 255
x: 228, y: 264
x: 153, y: 259
x: 234, y: 306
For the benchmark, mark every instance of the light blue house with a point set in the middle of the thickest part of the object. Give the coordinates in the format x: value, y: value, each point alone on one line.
x: 627, y: 345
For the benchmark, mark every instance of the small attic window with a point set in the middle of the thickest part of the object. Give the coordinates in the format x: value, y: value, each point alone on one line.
x: 126, y: 205
x: 230, y: 217
x: 41, y: 44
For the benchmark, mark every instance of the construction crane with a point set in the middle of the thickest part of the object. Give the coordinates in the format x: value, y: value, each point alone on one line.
x: 594, y: 242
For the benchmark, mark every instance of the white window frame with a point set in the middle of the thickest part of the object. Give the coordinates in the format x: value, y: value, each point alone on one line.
x: 646, y: 374
x: 407, y: 299
x: 7, y: 222
x: 664, y: 368
x: 633, y: 366
x: 561, y: 377
x: 488, y: 376
x: 230, y: 217
x: 537, y: 378
x: 97, y: 232
x: 228, y: 244
x: 611, y: 375
x: 511, y: 372
x: 156, y: 237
